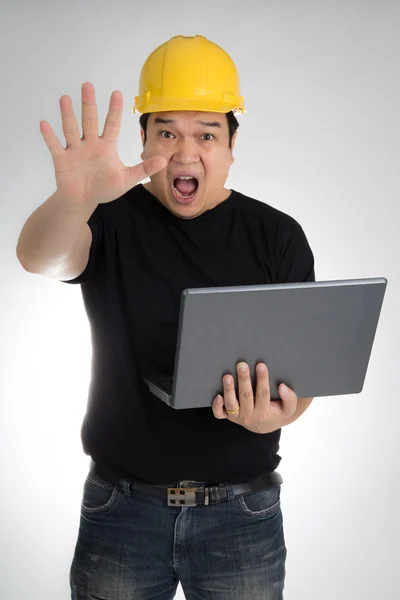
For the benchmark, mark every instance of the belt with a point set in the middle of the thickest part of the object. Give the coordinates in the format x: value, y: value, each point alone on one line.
x: 185, y: 495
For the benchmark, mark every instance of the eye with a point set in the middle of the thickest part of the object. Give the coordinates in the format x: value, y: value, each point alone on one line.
x: 210, y: 136
x: 168, y: 133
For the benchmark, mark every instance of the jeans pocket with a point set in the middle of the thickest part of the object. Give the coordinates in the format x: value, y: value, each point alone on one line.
x: 265, y: 503
x: 99, y: 496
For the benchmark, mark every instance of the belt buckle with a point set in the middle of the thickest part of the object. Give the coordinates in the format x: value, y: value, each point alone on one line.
x: 182, y: 496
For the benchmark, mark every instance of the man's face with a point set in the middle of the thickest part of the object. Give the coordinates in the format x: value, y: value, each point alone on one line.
x: 195, y: 144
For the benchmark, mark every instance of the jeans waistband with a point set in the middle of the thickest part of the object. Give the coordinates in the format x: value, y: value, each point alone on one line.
x: 199, y: 493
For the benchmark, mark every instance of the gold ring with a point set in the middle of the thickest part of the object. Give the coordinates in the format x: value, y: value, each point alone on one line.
x: 233, y: 412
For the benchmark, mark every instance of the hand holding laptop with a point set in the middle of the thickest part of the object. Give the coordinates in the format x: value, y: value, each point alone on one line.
x: 256, y: 412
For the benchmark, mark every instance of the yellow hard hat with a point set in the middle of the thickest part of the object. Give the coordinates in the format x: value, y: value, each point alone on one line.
x: 189, y: 73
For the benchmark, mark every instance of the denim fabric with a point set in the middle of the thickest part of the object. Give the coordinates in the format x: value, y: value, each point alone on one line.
x: 132, y: 546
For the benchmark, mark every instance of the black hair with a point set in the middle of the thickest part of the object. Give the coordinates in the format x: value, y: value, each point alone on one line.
x: 233, y: 125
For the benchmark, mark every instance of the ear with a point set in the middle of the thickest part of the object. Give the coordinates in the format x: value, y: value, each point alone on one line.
x: 233, y: 146
x: 142, y: 136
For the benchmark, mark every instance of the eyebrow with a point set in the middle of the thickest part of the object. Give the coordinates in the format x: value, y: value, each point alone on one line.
x: 205, y: 123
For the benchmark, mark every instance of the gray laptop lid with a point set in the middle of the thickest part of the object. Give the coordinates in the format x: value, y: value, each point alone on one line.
x: 316, y: 337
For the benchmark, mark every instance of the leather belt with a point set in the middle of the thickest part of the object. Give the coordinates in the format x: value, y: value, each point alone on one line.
x: 182, y: 494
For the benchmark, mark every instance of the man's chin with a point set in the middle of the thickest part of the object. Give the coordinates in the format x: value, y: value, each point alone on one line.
x: 186, y: 210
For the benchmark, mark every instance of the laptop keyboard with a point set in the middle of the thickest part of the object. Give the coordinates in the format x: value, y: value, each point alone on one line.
x: 165, y: 384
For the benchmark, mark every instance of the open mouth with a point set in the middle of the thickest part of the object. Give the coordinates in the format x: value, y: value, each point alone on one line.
x: 184, y: 188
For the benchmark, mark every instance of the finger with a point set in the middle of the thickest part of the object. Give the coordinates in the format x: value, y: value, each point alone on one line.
x: 90, y: 119
x: 112, y: 124
x: 51, y: 140
x: 154, y: 164
x: 245, y: 390
x: 263, y: 397
x: 230, y: 399
x: 289, y: 400
x: 69, y: 123
x: 145, y: 169
x: 218, y: 408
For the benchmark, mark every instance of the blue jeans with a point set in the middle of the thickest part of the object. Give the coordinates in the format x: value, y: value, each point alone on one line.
x: 132, y: 546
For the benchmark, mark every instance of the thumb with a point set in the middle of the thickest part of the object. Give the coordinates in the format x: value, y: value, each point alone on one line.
x: 289, y: 400
x: 154, y: 164
x: 145, y: 169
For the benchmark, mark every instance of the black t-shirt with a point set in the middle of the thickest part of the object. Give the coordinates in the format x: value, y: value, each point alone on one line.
x: 141, y: 259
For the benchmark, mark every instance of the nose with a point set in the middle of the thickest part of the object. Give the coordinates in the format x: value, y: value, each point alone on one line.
x: 186, y: 151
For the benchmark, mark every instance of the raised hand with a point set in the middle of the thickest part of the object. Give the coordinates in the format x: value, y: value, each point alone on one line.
x: 89, y: 169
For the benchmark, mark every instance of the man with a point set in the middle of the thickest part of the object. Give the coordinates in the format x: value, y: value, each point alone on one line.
x: 139, y: 249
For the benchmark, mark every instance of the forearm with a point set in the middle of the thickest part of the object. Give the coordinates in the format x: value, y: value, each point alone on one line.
x: 51, y: 233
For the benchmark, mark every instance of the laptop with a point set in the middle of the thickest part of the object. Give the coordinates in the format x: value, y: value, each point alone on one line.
x: 316, y: 337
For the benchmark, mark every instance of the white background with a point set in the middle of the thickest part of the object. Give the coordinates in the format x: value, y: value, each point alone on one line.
x: 320, y: 141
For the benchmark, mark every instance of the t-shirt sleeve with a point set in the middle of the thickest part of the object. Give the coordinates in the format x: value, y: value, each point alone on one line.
x: 296, y: 259
x: 96, y: 225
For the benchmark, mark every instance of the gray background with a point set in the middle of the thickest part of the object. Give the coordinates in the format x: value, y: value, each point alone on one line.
x: 320, y: 141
